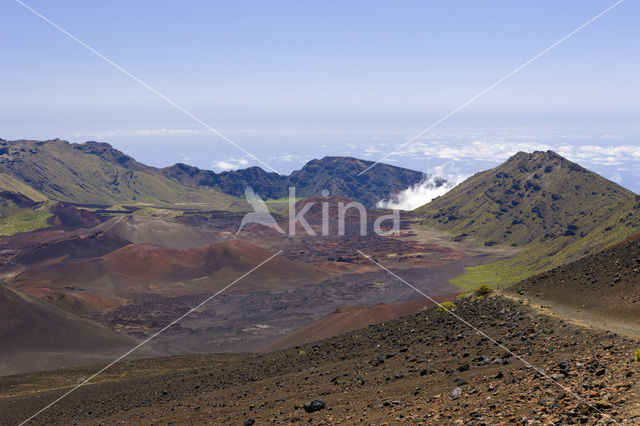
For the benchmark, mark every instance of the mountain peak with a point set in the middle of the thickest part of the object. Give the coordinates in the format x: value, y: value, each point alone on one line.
x: 537, y: 156
x: 112, y: 155
x: 553, y: 208
x: 530, y: 196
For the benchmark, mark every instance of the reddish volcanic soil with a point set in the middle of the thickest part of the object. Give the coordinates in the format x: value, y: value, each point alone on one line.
x: 229, y: 259
x: 133, y: 271
x: 349, y: 318
x: 71, y: 217
x: 137, y: 274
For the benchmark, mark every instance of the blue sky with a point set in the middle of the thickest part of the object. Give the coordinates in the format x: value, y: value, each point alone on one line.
x: 291, y: 81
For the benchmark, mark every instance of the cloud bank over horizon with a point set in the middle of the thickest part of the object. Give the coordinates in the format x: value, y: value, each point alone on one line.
x: 594, y: 146
x: 612, y: 149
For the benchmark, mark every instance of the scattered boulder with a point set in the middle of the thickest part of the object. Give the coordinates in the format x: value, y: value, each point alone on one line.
x: 315, y: 405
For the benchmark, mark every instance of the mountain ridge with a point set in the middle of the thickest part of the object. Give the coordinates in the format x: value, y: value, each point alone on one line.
x: 555, y: 209
x: 338, y: 175
x: 97, y: 173
x: 93, y: 174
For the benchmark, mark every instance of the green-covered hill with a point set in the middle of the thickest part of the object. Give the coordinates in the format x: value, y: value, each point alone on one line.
x: 97, y: 173
x: 79, y: 173
x: 20, y: 214
x: 13, y: 185
x: 556, y: 210
x: 22, y: 208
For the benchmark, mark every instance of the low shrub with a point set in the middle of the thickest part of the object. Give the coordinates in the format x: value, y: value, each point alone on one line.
x: 483, y: 290
x: 446, y: 307
x: 638, y: 355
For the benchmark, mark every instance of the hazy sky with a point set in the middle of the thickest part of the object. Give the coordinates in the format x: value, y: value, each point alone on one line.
x: 291, y: 81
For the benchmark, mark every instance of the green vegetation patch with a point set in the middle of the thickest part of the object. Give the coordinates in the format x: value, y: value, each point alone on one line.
x: 483, y: 290
x: 11, y: 184
x: 545, y: 254
x: 24, y: 221
x: 447, y: 307
x: 152, y: 211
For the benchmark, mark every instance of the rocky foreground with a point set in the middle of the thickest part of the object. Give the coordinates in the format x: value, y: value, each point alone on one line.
x: 427, y: 368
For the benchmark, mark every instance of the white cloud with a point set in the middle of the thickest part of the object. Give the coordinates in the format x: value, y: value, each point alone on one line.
x: 144, y: 132
x: 230, y: 164
x: 617, y: 178
x: 601, y: 155
x: 288, y: 157
x: 499, y: 150
x: 597, y: 146
x: 184, y: 158
x: 425, y: 191
x: 478, y: 150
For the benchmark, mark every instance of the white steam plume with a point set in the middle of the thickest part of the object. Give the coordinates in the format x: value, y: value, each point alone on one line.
x: 423, y: 192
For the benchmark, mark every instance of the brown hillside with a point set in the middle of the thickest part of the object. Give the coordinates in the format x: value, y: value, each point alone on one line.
x: 349, y: 318
x: 604, y: 285
x: 37, y: 335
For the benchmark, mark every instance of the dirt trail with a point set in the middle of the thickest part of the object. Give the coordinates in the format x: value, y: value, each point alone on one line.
x: 576, y: 316
x: 588, y: 320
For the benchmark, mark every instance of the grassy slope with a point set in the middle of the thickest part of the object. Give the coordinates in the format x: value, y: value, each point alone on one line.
x: 556, y: 210
x: 11, y: 184
x: 152, y: 211
x: 541, y: 256
x: 21, y: 218
x: 61, y: 172
x: 14, y: 219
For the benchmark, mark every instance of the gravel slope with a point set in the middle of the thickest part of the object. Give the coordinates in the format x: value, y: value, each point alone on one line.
x: 423, y: 369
